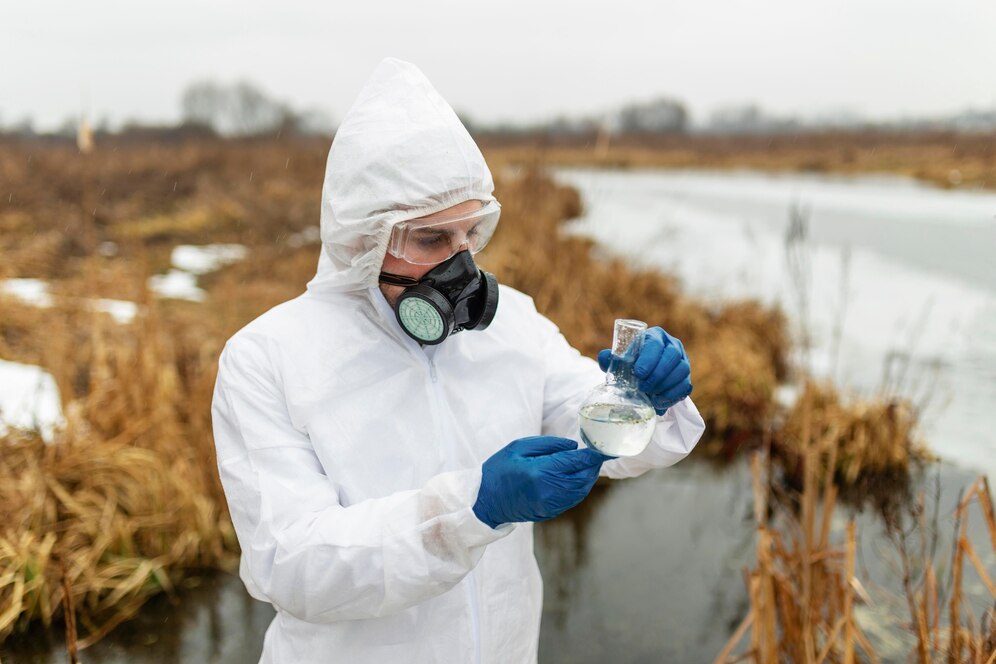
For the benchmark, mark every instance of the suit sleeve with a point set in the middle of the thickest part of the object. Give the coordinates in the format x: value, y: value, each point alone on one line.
x: 302, y: 550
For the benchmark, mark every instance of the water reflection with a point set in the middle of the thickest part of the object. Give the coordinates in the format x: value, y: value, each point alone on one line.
x: 658, y: 577
x: 562, y: 545
x: 216, y: 622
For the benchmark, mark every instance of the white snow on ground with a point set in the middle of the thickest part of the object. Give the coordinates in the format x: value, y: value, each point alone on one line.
x: 206, y: 258
x: 29, y: 399
x: 121, y: 310
x: 36, y: 292
x: 31, y: 291
x: 310, y: 235
x: 178, y: 285
x: 189, y: 261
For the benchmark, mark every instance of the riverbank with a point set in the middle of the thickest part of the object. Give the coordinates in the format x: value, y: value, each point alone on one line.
x: 963, y: 161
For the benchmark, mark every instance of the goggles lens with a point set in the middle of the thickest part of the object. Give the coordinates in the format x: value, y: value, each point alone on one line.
x: 430, y: 241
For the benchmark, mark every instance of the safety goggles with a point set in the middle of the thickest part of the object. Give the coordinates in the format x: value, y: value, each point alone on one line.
x: 430, y: 241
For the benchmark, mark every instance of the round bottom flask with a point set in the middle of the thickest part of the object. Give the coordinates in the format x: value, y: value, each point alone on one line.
x: 616, y: 418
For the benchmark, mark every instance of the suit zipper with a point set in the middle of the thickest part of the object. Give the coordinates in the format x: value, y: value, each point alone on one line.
x: 432, y: 369
x: 469, y: 581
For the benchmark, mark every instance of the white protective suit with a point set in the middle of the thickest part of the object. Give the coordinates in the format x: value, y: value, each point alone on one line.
x: 351, y: 456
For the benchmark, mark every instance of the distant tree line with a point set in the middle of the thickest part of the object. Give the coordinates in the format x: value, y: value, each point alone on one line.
x: 657, y: 116
x: 207, y: 109
x: 242, y: 109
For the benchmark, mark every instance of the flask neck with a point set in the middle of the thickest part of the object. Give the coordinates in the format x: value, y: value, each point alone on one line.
x: 627, y: 340
x: 620, y: 372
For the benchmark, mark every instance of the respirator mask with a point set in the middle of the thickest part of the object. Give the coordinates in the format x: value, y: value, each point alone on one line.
x: 455, y: 295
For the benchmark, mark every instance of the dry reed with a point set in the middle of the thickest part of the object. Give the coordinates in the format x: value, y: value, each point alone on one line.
x: 802, y: 594
x: 962, y: 640
x: 803, y: 590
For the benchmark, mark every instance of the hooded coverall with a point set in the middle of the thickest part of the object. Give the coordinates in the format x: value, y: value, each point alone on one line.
x: 351, y: 456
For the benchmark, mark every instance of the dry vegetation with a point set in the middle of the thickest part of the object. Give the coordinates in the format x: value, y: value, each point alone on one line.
x: 947, y: 159
x: 127, y: 503
x: 801, y: 594
x: 804, y: 590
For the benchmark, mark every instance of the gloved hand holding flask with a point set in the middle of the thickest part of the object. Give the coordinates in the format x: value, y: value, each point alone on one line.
x: 535, y: 479
x: 647, y: 372
x: 661, y: 368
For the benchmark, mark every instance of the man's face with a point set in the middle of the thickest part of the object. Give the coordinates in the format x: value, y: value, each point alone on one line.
x: 456, y: 236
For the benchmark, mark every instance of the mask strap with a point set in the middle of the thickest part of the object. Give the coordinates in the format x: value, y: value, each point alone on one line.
x: 397, y: 279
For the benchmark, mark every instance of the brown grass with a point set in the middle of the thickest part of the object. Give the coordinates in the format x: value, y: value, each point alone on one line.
x: 126, y: 497
x: 947, y: 159
x: 871, y: 437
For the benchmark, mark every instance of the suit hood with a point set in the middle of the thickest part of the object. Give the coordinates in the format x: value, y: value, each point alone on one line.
x: 400, y: 153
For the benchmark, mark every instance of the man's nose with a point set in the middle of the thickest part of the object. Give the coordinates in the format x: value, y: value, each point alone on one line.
x: 460, y: 243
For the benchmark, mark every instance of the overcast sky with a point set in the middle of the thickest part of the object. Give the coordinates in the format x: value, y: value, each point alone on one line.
x: 512, y: 60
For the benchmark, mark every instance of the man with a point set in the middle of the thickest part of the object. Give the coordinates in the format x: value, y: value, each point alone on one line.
x: 387, y: 438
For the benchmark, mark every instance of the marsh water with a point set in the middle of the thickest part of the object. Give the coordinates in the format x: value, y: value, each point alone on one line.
x: 650, y: 569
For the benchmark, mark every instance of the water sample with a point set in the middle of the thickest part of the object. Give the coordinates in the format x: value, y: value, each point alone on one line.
x: 617, y: 429
x: 616, y: 418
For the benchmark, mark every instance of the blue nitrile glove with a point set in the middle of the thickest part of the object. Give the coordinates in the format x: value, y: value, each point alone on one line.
x: 535, y: 479
x: 662, y: 369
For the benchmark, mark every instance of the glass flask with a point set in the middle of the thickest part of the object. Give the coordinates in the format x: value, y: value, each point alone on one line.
x: 616, y: 418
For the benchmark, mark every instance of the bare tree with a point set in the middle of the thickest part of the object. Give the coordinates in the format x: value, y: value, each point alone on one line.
x: 240, y: 109
x: 253, y: 112
x: 654, y: 117
x: 204, y: 103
